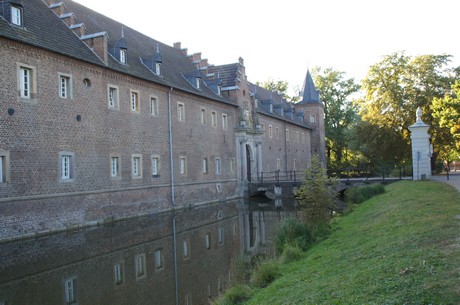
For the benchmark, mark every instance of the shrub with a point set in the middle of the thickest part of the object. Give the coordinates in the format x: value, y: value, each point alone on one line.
x: 235, y: 295
x: 291, y: 253
x: 241, y: 268
x: 359, y: 194
x: 292, y: 232
x: 266, y: 273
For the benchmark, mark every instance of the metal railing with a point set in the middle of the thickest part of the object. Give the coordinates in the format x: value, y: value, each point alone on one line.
x: 277, y: 176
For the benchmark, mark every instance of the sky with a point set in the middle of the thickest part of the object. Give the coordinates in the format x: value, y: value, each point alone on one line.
x: 280, y: 40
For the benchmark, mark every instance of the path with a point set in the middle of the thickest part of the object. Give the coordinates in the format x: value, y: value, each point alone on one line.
x: 454, y: 179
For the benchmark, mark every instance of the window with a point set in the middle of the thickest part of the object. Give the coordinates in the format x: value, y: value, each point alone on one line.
x: 69, y: 291
x: 118, y: 273
x: 154, y: 106
x: 16, y: 16
x: 214, y: 119
x: 186, y: 249
x: 180, y: 112
x: 114, y: 166
x: 183, y: 166
x: 197, y: 83
x: 205, y: 165
x: 224, y: 121
x: 4, y: 166
x: 155, y: 165
x: 203, y: 115
x: 123, y: 56
x: 134, y: 101
x: 278, y: 164
x: 294, y: 165
x: 157, y: 68
x: 277, y: 133
x: 287, y: 134
x: 232, y: 166
x: 270, y: 131
x: 65, y: 86
x: 140, y: 266
x: 158, y: 259
x: 113, y: 97
x: 25, y: 82
x: 66, y: 166
x: 207, y: 241
x: 218, y: 168
x: 137, y: 166
x: 221, y: 236
x: 312, y: 118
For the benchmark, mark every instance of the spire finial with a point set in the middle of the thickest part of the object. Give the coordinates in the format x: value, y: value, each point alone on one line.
x: 122, y: 32
x: 158, y: 48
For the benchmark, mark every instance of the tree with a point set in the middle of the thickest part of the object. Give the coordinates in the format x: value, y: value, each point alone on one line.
x: 339, y: 109
x: 280, y: 86
x: 317, y: 196
x: 397, y: 85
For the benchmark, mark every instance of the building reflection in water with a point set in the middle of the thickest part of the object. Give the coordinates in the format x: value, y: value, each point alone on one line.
x: 182, y: 257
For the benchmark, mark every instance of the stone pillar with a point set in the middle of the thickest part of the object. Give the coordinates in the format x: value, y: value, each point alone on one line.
x: 421, y: 148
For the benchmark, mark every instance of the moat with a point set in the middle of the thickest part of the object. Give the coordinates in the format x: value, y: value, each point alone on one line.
x: 180, y: 257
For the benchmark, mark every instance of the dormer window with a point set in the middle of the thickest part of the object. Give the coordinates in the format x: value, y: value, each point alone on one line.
x: 123, y: 56
x: 271, y: 108
x: 16, y: 15
x: 157, y: 68
x: 197, y: 83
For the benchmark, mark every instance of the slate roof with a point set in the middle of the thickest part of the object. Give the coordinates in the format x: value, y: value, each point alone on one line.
x: 309, y: 92
x: 282, y: 110
x: 228, y: 74
x: 44, y: 29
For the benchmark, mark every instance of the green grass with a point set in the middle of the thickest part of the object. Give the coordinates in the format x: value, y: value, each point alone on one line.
x: 401, y: 247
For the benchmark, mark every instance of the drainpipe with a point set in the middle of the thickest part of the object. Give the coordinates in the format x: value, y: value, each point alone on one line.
x: 176, y: 280
x: 285, y: 148
x: 173, y: 199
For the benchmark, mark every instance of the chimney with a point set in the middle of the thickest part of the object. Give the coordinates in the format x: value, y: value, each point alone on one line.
x: 78, y: 29
x: 69, y: 18
x: 58, y: 8
x: 177, y: 45
x: 98, y: 43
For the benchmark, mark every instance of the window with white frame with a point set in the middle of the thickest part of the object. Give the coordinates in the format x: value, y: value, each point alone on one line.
x: 214, y: 119
x: 278, y: 164
x: 203, y: 116
x: 158, y: 259
x: 66, y: 166
x: 157, y: 68
x: 112, y: 94
x: 205, y: 165
x: 115, y: 166
x: 183, y: 165
x: 118, y: 273
x: 141, y: 270
x: 137, y: 165
x: 270, y: 131
x: 312, y: 118
x: 135, y: 101
x: 123, y: 56
x: 224, y: 121
x: 207, y: 241
x: 294, y: 164
x: 70, y: 291
x: 65, y: 86
x: 185, y: 248
x: 218, y: 167
x: 16, y: 15
x: 221, y: 236
x: 155, y: 165
x: 153, y: 106
x: 232, y: 165
x: 197, y: 83
x: 4, y: 166
x: 181, y: 112
x: 25, y: 82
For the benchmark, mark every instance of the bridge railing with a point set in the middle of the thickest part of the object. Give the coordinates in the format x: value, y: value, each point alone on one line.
x: 277, y: 176
x: 381, y: 172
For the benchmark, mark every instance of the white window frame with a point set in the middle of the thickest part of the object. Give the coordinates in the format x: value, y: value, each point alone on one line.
x: 66, y: 166
x: 4, y: 166
x: 180, y: 112
x: 203, y: 116
x: 123, y: 56
x: 70, y: 291
x: 26, y: 81
x: 197, y: 83
x: 115, y: 168
x: 134, y: 101
x: 183, y: 165
x: 205, y: 165
x: 16, y: 15
x: 294, y: 164
x: 207, y: 240
x: 112, y: 96
x: 154, y: 105
x: 224, y: 121
x: 65, y: 86
x: 155, y: 165
x: 220, y: 236
x: 312, y: 118
x: 214, y: 119
x: 186, y: 248
x: 278, y: 164
x: 141, y: 267
x: 218, y: 166
x: 118, y: 273
x: 157, y: 68
x: 158, y: 259
x: 136, y: 165
x: 232, y: 165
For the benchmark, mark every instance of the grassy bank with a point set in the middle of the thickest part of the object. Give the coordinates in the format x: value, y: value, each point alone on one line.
x: 401, y: 247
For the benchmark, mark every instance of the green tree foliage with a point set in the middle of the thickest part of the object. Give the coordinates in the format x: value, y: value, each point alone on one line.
x: 446, y: 111
x: 339, y: 109
x: 396, y: 86
x: 317, y: 196
x: 280, y: 86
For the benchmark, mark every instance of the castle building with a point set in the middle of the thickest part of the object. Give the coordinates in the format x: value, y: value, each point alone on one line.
x: 98, y: 122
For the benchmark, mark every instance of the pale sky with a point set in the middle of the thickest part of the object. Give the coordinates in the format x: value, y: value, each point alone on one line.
x: 281, y: 39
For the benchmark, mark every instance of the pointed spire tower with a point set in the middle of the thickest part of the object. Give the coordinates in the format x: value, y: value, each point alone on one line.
x: 313, y: 109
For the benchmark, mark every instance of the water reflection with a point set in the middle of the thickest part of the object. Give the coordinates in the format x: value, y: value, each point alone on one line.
x: 181, y: 257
